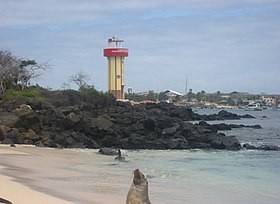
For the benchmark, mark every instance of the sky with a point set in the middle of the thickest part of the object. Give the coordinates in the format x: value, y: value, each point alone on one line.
x: 214, y: 45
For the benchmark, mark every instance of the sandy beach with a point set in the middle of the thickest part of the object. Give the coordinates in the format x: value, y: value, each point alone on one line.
x: 31, y: 175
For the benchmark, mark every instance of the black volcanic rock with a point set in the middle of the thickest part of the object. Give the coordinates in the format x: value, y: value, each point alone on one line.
x: 108, y: 151
x: 223, y: 115
x: 266, y: 147
x: 121, y: 125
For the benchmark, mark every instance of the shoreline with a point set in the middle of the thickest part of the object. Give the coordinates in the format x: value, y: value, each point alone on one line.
x: 21, y: 194
x: 31, y: 175
x: 85, y: 177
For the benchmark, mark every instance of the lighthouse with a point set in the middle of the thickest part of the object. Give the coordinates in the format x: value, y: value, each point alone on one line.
x: 115, y: 54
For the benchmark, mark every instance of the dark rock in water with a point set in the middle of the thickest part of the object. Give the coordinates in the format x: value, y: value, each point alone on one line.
x: 248, y: 146
x: 255, y: 126
x: 12, y: 145
x: 219, y: 141
x: 231, y: 143
x: 223, y: 126
x: 222, y: 115
x: 269, y: 147
x: 228, y: 115
x: 262, y: 147
x: 108, y: 151
x: 247, y: 116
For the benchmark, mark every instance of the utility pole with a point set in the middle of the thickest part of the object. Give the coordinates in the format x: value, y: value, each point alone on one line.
x: 186, y: 85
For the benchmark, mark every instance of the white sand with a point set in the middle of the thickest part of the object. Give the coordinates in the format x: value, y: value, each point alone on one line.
x: 27, y: 176
x: 20, y: 194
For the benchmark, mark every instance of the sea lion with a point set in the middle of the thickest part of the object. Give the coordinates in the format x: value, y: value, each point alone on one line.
x: 120, y: 157
x: 138, y: 192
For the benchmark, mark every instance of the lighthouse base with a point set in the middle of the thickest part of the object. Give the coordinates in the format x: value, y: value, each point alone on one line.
x: 118, y: 94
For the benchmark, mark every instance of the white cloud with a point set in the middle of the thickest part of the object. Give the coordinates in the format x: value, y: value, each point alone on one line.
x: 218, y: 44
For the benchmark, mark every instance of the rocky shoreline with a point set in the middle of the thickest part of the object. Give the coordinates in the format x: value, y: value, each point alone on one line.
x: 122, y: 125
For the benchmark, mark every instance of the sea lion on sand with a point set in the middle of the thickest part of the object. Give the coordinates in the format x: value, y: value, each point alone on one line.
x: 138, y: 192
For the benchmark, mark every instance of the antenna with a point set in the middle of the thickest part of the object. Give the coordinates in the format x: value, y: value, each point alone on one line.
x: 186, y: 85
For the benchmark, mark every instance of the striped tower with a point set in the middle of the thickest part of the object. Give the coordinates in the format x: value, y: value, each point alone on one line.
x: 115, y: 54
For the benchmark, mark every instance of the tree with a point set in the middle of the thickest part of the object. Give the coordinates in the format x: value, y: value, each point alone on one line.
x: 200, y: 96
x: 9, y: 71
x: 30, y: 69
x: 80, y: 79
x: 151, y: 96
x: 162, y: 96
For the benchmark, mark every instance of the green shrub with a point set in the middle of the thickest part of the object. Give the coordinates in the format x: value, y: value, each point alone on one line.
x: 31, y: 93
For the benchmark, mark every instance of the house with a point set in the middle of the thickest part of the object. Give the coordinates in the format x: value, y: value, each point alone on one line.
x: 173, y: 96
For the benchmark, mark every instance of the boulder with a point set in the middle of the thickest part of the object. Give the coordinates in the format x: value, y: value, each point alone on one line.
x: 31, y: 135
x: 262, y: 147
x: 149, y: 124
x: 8, y: 118
x: 15, y: 135
x: 110, y: 140
x: 135, y: 140
x: 108, y: 151
x: 231, y: 143
x: 40, y: 144
x: 220, y: 141
x: 249, y: 146
x: 269, y: 147
x: 100, y: 123
x: 165, y: 122
x: 7, y: 141
x: 170, y: 130
x: 255, y: 126
x: 247, y: 116
x: 48, y: 142
x: 23, y: 109
x: 29, y: 120
x: 4, y: 131
x: 178, y: 143
x: 225, y: 115
x: 73, y: 117
x: 222, y: 126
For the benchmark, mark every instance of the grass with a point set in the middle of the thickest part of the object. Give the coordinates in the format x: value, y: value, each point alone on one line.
x: 31, y: 93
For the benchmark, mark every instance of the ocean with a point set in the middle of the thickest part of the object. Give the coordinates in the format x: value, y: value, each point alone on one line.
x: 196, y: 176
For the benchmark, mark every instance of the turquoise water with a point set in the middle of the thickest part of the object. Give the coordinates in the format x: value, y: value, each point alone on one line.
x: 197, y: 176
x: 268, y: 119
x: 190, y: 176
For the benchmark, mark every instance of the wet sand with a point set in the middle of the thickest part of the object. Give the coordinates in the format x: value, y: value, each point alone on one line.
x: 37, y: 175
x: 32, y: 175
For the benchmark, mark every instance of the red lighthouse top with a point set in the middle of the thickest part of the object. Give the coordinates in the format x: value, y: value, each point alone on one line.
x: 115, y: 48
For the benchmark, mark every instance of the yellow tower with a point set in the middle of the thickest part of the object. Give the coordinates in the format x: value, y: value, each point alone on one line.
x: 115, y: 54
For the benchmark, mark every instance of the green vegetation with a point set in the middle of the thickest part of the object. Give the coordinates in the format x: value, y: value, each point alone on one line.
x: 151, y: 95
x: 29, y: 93
x: 15, y: 76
